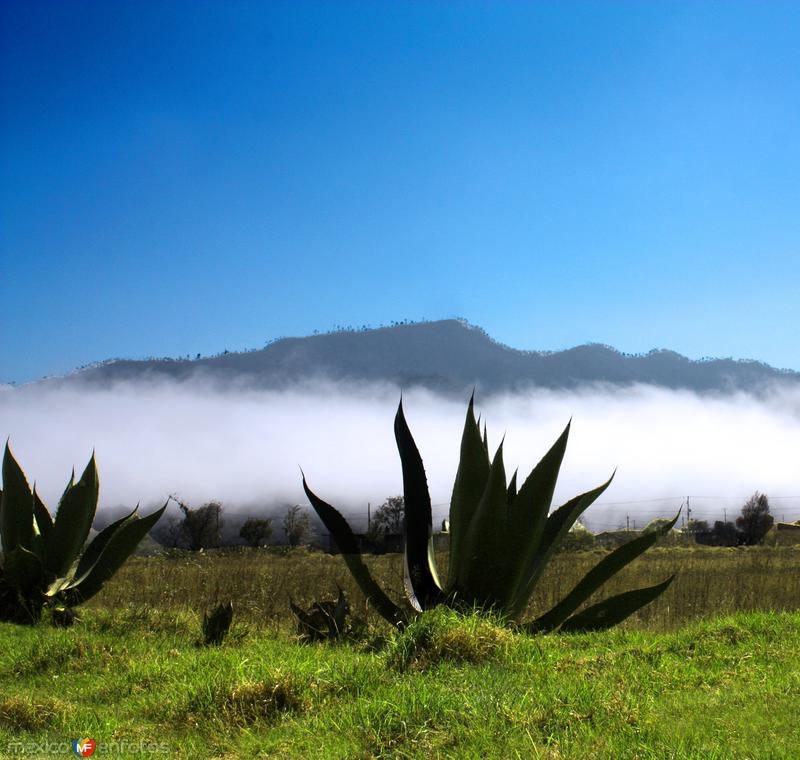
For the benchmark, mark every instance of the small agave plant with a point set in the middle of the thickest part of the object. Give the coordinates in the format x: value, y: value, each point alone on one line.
x: 216, y: 624
x: 501, y: 539
x: 323, y: 620
x: 45, y: 562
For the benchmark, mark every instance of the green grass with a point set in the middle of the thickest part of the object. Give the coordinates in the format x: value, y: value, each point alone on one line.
x: 446, y: 687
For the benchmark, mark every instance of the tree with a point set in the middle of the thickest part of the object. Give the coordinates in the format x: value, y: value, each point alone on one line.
x: 755, y: 520
x: 389, y: 517
x: 724, y: 534
x: 200, y: 528
x: 695, y: 527
x: 296, y: 525
x: 256, y: 531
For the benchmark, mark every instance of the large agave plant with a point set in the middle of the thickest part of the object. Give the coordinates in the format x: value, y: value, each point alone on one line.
x: 44, y: 561
x: 501, y: 539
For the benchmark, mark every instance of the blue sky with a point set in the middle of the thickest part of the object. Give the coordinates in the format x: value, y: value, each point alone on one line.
x: 190, y: 177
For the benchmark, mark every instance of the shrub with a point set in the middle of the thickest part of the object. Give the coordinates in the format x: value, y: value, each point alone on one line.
x: 200, y: 527
x: 296, y: 525
x: 256, y: 531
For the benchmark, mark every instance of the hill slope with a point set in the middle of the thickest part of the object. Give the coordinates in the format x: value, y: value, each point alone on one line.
x: 448, y: 356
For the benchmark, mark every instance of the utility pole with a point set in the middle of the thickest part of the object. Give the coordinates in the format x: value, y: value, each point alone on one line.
x: 725, y: 514
x: 627, y: 522
x: 688, y: 510
x: 369, y: 517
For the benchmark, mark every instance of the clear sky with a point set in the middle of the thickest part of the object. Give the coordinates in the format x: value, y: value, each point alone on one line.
x: 184, y: 177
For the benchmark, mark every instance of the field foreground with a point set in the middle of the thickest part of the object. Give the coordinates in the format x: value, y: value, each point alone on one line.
x: 134, y: 681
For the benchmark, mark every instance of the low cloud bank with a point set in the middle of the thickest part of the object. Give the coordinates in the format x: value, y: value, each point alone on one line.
x: 245, y: 447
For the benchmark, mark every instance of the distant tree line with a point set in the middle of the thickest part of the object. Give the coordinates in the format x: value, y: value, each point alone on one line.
x: 200, y: 528
x: 197, y: 528
x: 750, y: 528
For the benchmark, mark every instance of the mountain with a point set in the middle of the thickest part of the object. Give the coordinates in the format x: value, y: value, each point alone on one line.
x: 449, y: 356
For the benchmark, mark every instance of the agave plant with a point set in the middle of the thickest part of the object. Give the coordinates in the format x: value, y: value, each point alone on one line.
x: 323, y: 620
x: 45, y: 561
x: 501, y: 539
x: 216, y: 624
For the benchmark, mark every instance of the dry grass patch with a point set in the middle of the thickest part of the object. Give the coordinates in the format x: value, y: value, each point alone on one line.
x: 26, y: 714
x: 246, y: 703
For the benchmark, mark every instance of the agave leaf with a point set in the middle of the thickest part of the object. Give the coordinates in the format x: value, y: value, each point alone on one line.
x: 217, y: 623
x: 42, y: 525
x: 56, y: 586
x: 114, y: 551
x: 597, y: 576
x: 16, y: 506
x: 421, y: 583
x: 471, y: 477
x: 557, y: 525
x: 512, y: 489
x: 527, y: 515
x: 615, y: 609
x: 481, y: 572
x: 23, y: 570
x: 339, y: 613
x: 44, y: 522
x: 348, y: 546
x: 69, y: 485
x: 73, y: 521
x: 307, y: 625
x: 93, y: 551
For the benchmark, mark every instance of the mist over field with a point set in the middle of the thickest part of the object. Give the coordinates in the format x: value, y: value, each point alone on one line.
x: 244, y: 447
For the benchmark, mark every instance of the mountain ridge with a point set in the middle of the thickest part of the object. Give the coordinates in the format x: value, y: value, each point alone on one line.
x: 448, y: 356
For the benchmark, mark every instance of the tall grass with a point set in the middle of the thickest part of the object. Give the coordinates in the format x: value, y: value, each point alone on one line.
x: 711, y: 582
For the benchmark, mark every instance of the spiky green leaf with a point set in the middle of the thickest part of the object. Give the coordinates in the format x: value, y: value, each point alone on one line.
x: 421, y: 582
x: 114, y: 552
x: 470, y: 482
x: 23, y: 570
x: 95, y: 548
x: 527, y: 516
x: 608, y: 613
x: 339, y: 613
x: 597, y: 576
x: 16, y: 506
x: 73, y: 521
x: 555, y: 528
x: 44, y: 522
x: 512, y: 489
x: 481, y: 578
x: 348, y: 546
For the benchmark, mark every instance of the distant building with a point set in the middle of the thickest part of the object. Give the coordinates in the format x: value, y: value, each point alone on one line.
x: 787, y: 534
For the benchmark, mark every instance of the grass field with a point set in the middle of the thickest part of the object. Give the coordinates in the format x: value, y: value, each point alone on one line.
x: 685, y: 680
x: 710, y: 582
